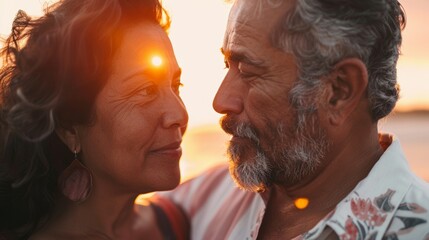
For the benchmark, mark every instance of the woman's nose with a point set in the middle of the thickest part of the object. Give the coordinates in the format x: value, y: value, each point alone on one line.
x: 175, y: 113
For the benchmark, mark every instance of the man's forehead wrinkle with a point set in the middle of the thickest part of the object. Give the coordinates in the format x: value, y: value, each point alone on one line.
x: 244, y: 29
x: 257, y: 18
x: 241, y: 34
x: 254, y: 9
x: 236, y: 45
x: 237, y: 39
x: 263, y: 5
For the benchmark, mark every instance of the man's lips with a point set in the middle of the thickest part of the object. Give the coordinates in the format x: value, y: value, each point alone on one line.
x: 238, y: 139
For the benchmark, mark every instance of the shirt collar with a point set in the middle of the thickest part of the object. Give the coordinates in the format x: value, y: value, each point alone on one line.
x: 369, y: 208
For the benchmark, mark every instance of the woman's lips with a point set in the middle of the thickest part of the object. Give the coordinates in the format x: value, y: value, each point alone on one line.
x: 173, y: 150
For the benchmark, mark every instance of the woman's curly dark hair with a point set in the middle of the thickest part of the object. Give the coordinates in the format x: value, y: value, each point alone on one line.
x: 53, y: 69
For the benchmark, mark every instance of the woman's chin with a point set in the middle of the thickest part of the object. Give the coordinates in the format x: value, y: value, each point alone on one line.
x: 167, y: 181
x: 172, y: 182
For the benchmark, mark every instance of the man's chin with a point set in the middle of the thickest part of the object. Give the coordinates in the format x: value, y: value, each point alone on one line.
x: 241, y: 150
x: 243, y: 181
x: 249, y: 172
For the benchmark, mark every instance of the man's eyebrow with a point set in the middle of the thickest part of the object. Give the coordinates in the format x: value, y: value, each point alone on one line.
x: 241, y: 57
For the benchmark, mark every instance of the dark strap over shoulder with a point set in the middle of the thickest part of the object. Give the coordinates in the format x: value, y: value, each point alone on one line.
x: 171, y: 220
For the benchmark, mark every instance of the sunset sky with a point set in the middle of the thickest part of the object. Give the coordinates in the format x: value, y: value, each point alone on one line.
x: 197, y: 32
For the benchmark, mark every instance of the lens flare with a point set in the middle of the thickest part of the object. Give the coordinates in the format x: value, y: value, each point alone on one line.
x: 156, y: 61
x: 301, y: 203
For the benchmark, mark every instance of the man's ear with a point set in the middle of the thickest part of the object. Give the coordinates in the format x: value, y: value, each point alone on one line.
x: 70, y: 137
x: 347, y: 85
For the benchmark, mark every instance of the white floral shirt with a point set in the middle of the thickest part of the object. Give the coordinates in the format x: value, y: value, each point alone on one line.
x: 390, y: 203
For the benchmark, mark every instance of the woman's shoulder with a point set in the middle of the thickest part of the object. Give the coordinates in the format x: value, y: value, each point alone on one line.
x: 165, y: 217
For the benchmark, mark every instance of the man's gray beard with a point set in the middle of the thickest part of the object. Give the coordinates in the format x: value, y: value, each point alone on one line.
x: 295, y: 155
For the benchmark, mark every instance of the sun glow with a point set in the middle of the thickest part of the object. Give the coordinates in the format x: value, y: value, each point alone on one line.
x: 156, y: 61
x: 301, y: 203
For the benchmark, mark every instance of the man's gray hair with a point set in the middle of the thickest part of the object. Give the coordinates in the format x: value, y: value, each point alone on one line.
x: 319, y: 33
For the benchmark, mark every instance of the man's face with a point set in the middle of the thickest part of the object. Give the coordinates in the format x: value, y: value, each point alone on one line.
x: 271, y: 142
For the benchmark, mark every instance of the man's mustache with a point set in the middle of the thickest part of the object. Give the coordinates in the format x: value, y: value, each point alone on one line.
x: 232, y: 126
x: 228, y: 124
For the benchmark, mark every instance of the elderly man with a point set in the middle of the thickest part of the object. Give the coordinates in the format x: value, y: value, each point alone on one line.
x: 307, y: 82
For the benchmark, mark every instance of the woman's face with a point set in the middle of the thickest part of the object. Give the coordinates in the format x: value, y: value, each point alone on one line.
x: 134, y: 143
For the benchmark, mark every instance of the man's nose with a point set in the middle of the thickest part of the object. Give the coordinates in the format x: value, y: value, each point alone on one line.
x: 229, y: 97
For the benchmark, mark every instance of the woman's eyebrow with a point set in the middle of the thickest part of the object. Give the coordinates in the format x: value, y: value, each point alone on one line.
x: 177, y: 74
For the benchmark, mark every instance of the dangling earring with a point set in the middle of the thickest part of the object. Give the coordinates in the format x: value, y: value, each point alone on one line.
x: 75, y: 181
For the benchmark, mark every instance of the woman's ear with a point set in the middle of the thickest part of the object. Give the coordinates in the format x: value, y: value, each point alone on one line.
x: 347, y: 85
x: 70, y: 137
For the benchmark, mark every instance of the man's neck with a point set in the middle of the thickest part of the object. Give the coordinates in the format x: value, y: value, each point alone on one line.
x: 345, y: 167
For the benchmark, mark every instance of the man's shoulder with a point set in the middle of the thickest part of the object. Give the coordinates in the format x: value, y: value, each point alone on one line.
x: 418, y: 190
x: 411, y: 219
x: 420, y: 184
x: 418, y: 193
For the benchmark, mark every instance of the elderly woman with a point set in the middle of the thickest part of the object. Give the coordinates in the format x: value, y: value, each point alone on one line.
x: 91, y: 117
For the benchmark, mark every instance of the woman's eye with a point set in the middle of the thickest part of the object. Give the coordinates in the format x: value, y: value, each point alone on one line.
x: 149, y: 90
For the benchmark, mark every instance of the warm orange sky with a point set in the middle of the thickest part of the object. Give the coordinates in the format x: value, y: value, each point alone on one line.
x: 197, y: 32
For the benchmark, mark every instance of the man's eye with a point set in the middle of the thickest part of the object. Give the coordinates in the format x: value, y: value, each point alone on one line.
x: 247, y: 75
